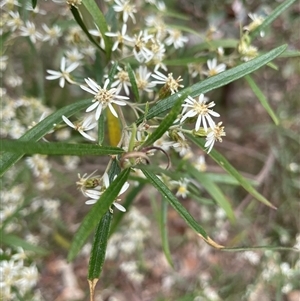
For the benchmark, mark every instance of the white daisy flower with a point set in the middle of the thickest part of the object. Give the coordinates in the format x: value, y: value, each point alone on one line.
x: 201, y: 109
x: 103, y: 97
x: 64, y: 73
x: 175, y: 38
x: 216, y: 133
x: 214, y: 68
x: 29, y: 31
x: 82, y: 126
x: 126, y: 9
x: 52, y: 34
x: 142, y: 79
x: 95, y: 195
x: 170, y: 83
x: 122, y: 38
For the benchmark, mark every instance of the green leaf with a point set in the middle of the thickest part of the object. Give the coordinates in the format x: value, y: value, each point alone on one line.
x: 168, y: 120
x: 213, y: 190
x: 14, y: 242
x: 164, y: 231
x: 167, y: 194
x: 58, y: 148
x: 97, y: 211
x: 264, y: 102
x: 41, y: 129
x: 112, y: 72
x: 232, y: 171
x: 80, y: 22
x: 101, y: 127
x: 290, y: 53
x: 34, y: 3
x: 100, y: 21
x: 99, y: 246
x: 270, y: 18
x: 215, y: 82
x: 134, y: 86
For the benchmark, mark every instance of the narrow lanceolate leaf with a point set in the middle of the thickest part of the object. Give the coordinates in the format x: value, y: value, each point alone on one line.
x: 34, y: 3
x: 7, y: 159
x: 268, y: 20
x: 99, y: 246
x: 232, y: 171
x: 263, y: 100
x: 57, y: 148
x: 80, y: 22
x: 101, y: 127
x: 167, y: 121
x: 215, y: 82
x: 290, y: 53
x: 167, y: 194
x: 213, y: 190
x: 15, y: 241
x: 134, y: 86
x: 95, y: 214
x: 164, y: 231
x: 99, y: 19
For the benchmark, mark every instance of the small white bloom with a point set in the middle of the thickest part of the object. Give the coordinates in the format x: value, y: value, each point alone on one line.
x: 82, y: 126
x: 15, y: 21
x: 29, y: 31
x: 122, y: 38
x: 95, y: 195
x: 64, y: 73
x: 52, y: 34
x: 201, y: 109
x: 103, y: 97
x: 74, y: 56
x: 142, y: 79
x: 126, y: 9
x: 175, y: 38
x: 216, y: 133
x: 122, y: 81
x: 170, y: 83
x: 214, y: 68
x: 141, y: 51
x: 181, y: 186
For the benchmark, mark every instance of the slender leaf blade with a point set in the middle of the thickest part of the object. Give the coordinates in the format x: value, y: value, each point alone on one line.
x: 217, y: 157
x: 57, y: 148
x: 100, y: 21
x: 215, y: 82
x: 98, y: 210
x: 213, y: 190
x: 167, y: 194
x: 99, y: 246
x: 15, y: 241
x: 168, y: 120
x: 133, y: 83
x: 80, y: 22
x: 263, y: 100
x: 7, y: 159
x: 270, y: 18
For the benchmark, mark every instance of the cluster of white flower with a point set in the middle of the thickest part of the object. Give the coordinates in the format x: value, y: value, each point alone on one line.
x: 17, y: 279
x: 129, y: 240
